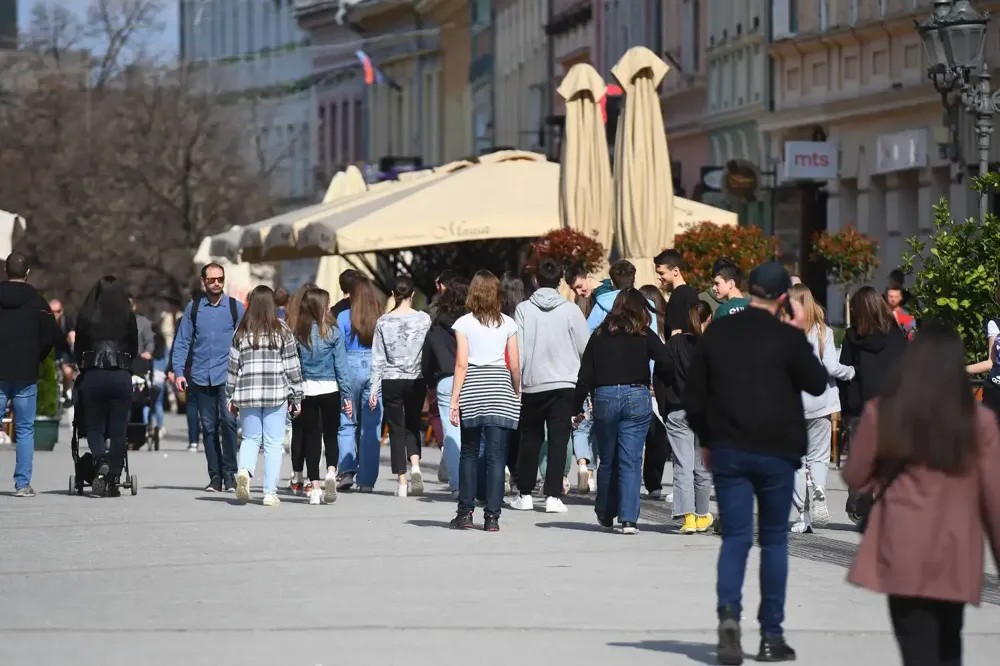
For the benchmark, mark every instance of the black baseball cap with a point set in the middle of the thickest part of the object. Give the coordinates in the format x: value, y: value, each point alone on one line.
x: 769, y: 281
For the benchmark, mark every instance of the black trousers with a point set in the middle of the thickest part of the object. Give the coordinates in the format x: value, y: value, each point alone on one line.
x: 402, y: 404
x: 106, y: 398
x: 657, y: 453
x: 320, y: 422
x: 551, y: 410
x: 298, y: 450
x: 991, y: 397
x: 929, y: 632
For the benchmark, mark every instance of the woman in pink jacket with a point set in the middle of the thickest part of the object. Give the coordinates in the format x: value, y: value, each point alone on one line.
x: 931, y: 455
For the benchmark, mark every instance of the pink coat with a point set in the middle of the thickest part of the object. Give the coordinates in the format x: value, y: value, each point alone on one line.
x: 925, y: 537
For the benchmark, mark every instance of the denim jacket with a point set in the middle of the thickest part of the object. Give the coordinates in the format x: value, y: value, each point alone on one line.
x: 327, y: 358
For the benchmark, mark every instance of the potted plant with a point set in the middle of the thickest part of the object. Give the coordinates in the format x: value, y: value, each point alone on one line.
x: 702, y: 245
x: 569, y: 248
x: 47, y: 413
x: 850, y: 258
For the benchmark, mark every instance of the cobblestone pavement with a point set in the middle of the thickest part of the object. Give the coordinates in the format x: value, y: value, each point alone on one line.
x: 175, y: 575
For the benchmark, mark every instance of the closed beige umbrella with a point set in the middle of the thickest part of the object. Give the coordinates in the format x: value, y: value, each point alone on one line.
x: 585, y: 186
x: 344, y: 184
x: 643, y: 183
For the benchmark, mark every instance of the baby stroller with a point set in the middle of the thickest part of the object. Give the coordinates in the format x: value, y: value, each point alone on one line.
x: 140, y: 430
x: 84, y: 466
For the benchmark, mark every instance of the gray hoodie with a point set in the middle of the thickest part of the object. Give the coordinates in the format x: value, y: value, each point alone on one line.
x: 551, y: 336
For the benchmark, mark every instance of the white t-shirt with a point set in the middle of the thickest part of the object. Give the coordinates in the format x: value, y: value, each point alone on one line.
x: 486, y: 343
x: 992, y: 330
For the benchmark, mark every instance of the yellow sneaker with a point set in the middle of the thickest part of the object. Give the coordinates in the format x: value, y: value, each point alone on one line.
x: 703, y: 523
x: 690, y: 524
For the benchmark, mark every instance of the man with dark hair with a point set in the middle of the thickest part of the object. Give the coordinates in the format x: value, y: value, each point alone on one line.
x: 551, y: 336
x: 744, y: 402
x: 201, y: 348
x: 585, y: 285
x: 622, y: 274
x: 346, y: 280
x: 28, y: 332
x: 281, y: 301
x: 670, y: 269
x: 726, y: 279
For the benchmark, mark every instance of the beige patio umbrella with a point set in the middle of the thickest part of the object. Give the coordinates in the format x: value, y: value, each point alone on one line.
x: 643, y: 184
x: 226, y: 244
x: 507, y: 194
x: 344, y: 184
x: 585, y: 189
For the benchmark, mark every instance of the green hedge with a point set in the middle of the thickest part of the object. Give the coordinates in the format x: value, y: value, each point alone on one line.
x: 48, y: 387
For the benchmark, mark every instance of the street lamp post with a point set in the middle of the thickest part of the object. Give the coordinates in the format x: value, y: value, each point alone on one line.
x: 954, y: 36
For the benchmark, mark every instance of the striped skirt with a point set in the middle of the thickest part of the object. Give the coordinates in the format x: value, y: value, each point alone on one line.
x: 488, y: 398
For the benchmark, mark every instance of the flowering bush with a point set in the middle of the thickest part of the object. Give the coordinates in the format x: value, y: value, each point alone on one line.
x: 851, y: 257
x: 569, y: 248
x: 702, y: 245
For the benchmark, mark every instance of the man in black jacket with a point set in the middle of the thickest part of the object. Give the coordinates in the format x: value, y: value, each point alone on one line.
x: 28, y: 331
x: 744, y: 401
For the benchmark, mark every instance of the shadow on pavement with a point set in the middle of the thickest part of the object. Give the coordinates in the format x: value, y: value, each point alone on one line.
x: 577, y: 527
x: 194, y: 489
x: 702, y: 653
x: 227, y: 499
x: 428, y: 523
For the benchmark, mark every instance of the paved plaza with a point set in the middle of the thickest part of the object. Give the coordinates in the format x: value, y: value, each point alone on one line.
x: 179, y: 576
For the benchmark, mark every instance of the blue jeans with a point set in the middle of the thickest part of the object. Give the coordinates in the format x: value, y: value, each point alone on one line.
x: 263, y: 427
x: 583, y: 444
x: 157, y: 411
x: 360, y: 439
x: 739, y: 477
x: 193, y: 419
x: 621, y: 420
x: 452, y: 444
x: 219, y: 428
x: 24, y: 396
x: 494, y: 440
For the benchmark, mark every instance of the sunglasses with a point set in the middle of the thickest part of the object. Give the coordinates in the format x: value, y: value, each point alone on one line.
x: 57, y: 312
x: 215, y: 280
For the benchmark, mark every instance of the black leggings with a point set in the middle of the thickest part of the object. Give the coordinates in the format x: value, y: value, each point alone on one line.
x: 929, y: 632
x: 320, y: 422
x: 402, y: 404
x: 657, y: 453
x: 298, y: 450
x: 106, y: 397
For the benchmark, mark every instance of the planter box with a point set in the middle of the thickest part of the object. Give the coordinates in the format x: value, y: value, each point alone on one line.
x: 46, y: 432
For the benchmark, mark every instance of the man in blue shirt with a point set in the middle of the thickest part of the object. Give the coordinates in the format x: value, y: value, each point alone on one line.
x: 200, y: 358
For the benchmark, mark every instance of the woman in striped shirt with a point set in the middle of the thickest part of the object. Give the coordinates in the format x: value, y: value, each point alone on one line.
x: 485, y: 399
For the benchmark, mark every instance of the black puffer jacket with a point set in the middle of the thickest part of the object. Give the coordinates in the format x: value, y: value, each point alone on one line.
x: 680, y: 350
x: 28, y: 331
x: 440, y: 347
x: 873, y: 357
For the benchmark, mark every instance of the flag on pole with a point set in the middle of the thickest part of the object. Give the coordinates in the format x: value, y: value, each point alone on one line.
x: 373, y: 75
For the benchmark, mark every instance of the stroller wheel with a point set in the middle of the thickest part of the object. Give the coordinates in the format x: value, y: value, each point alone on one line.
x: 855, y: 518
x: 133, y: 483
x: 72, y: 484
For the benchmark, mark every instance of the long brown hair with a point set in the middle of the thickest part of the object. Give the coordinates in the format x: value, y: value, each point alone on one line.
x: 698, y: 314
x: 314, y: 309
x: 261, y: 322
x: 629, y: 314
x: 653, y: 293
x: 295, y: 305
x: 926, y: 409
x: 815, y: 315
x: 870, y: 313
x: 365, y: 311
x: 484, y: 301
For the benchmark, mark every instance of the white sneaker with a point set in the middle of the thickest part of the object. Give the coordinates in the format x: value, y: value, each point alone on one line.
x: 401, y: 490
x: 554, y: 505
x: 416, y: 482
x: 193, y: 447
x: 819, y: 512
x: 583, y: 480
x: 270, y: 499
x: 330, y: 488
x: 522, y: 503
x: 801, y: 526
x: 316, y: 496
x: 243, y: 485
x: 669, y: 498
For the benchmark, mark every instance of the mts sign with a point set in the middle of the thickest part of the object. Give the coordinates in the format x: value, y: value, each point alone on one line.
x: 810, y: 160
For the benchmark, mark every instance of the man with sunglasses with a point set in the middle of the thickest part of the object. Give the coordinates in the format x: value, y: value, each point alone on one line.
x: 204, y: 336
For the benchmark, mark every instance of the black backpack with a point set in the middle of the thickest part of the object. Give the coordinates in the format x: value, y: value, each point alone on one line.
x: 195, y: 304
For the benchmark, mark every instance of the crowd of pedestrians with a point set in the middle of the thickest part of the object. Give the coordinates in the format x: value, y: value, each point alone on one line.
x: 736, y: 387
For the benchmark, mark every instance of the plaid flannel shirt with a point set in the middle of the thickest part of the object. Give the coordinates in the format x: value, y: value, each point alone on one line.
x: 264, y: 377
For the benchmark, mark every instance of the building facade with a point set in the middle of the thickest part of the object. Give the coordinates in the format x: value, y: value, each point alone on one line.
x: 738, y: 80
x: 255, y: 53
x: 683, y: 94
x: 522, y: 77
x: 482, y: 44
x: 856, y: 118
x: 453, y: 111
x: 624, y: 24
x: 571, y: 31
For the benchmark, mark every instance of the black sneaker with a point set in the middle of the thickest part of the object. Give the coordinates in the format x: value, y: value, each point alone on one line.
x: 100, y: 484
x: 229, y: 483
x: 775, y: 649
x: 214, y: 486
x: 730, y: 648
x: 491, y: 523
x: 112, y: 490
x: 606, y: 524
x: 462, y: 521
